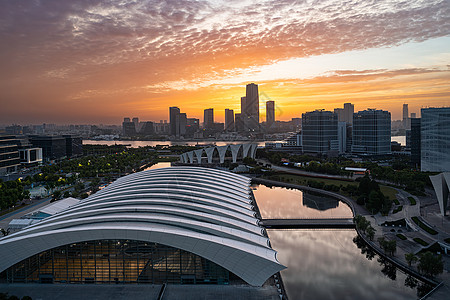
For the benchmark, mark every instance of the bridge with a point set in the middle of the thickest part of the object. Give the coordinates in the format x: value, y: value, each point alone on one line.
x: 308, y: 223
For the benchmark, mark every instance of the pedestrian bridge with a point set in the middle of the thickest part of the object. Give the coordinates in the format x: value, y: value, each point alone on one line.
x: 308, y: 223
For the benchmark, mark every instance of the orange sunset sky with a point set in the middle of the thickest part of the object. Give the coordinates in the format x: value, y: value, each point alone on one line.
x: 76, y: 62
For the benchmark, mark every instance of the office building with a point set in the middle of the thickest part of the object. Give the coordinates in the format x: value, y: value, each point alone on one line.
x: 371, y: 133
x: 414, y: 141
x: 208, y: 119
x: 435, y: 139
x: 345, y: 114
x: 53, y: 147
x: 146, y: 128
x: 181, y: 123
x: 74, y: 145
x: 320, y: 132
x: 342, y: 137
x: 405, y: 116
x: 128, y: 127
x: 229, y: 120
x: 238, y: 123
x: 251, y: 121
x: 9, y: 154
x: 270, y: 114
x: 184, y: 232
x: 173, y: 113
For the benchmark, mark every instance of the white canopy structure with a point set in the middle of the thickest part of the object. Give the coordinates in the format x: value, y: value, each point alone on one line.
x: 238, y: 150
x: 204, y: 211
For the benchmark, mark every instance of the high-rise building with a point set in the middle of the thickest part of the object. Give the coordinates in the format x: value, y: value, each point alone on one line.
x: 193, y: 126
x: 238, y: 122
x: 128, y: 127
x: 320, y: 132
x: 229, y: 120
x: 405, y: 116
x: 251, y: 122
x: 181, y: 123
x: 270, y: 114
x: 208, y: 118
x: 173, y: 113
x: 413, y: 115
x: 415, y: 141
x: 342, y: 137
x: 435, y: 139
x: 345, y: 114
x: 146, y: 128
x: 371, y: 133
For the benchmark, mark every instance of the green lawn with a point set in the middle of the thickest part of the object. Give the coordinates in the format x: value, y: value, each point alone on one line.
x: 412, y: 200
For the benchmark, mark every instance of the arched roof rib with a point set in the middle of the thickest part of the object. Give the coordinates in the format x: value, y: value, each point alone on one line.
x: 182, y: 222
x: 196, y: 171
x: 197, y: 218
x: 200, y: 199
x: 170, y: 204
x: 194, y: 182
x: 179, y: 188
x: 195, y: 215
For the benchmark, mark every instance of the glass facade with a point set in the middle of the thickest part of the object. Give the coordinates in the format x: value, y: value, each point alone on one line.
x: 117, y: 261
x: 435, y: 139
x: 320, y: 132
x: 371, y: 132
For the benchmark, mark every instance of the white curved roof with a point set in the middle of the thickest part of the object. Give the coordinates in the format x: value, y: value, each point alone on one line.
x: 204, y: 211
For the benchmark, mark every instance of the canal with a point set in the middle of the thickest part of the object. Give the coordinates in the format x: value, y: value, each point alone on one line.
x: 328, y: 264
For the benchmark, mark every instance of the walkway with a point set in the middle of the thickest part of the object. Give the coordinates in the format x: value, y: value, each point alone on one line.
x: 307, y: 223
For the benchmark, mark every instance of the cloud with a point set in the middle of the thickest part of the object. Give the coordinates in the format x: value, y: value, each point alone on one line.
x: 64, y: 49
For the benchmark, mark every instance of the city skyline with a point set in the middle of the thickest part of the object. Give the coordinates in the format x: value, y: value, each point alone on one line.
x: 95, y: 62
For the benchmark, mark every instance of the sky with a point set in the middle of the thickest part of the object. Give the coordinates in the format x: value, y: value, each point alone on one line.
x: 90, y: 61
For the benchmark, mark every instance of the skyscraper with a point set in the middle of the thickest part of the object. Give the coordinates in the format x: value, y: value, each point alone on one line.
x: 208, y: 118
x: 371, y: 132
x: 251, y: 122
x: 270, y: 114
x: 320, y: 132
x: 405, y: 116
x: 229, y: 120
x: 173, y: 113
x: 435, y: 139
x: 181, y: 122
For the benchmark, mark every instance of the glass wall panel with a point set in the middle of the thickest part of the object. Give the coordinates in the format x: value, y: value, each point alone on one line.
x: 118, y: 261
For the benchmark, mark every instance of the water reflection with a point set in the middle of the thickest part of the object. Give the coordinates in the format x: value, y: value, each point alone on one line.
x: 159, y: 166
x: 390, y: 271
x: 283, y: 203
x: 326, y: 264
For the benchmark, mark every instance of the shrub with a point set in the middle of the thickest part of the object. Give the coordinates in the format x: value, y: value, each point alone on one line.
x: 412, y: 200
x: 401, y: 236
x: 423, y: 226
x: 420, y: 241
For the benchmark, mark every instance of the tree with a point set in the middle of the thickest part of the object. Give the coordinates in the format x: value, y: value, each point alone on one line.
x: 370, y: 232
x: 410, y: 258
x: 4, y: 232
x: 430, y: 264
